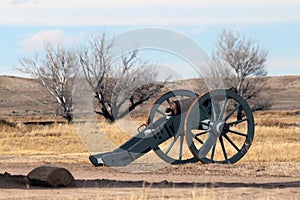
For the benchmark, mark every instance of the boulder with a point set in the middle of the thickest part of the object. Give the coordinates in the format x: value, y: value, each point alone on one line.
x: 48, y: 176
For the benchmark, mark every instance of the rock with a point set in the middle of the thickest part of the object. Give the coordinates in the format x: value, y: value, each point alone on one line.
x: 48, y: 176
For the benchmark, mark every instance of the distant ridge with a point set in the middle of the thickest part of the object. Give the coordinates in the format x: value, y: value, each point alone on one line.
x: 24, y: 96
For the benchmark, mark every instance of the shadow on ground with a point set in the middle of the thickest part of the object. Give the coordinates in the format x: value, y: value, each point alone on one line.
x: 8, y: 181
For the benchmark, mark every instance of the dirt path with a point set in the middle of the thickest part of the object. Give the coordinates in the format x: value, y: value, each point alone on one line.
x: 190, y: 181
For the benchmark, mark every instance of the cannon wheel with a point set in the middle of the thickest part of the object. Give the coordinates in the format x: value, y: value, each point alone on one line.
x: 167, y: 150
x: 225, y: 134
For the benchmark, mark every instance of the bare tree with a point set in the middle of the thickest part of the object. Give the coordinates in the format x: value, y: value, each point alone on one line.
x: 243, y: 61
x: 118, y: 86
x: 218, y: 74
x: 56, y: 70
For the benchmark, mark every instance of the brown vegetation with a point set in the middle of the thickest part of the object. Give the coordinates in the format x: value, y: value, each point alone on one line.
x: 277, y: 138
x: 25, y: 97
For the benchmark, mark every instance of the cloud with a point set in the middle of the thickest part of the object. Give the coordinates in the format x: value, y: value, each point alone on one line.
x: 155, y: 12
x: 20, y: 1
x: 36, y: 41
x: 138, y: 3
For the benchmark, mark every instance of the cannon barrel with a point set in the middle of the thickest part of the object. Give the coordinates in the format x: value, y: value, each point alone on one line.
x: 144, y: 141
x: 180, y: 106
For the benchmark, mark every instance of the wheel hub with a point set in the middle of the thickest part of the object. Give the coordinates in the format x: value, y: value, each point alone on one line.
x: 217, y: 127
x: 225, y: 129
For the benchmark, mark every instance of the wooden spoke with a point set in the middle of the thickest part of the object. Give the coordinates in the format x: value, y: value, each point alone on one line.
x: 238, y: 133
x: 181, y: 147
x: 237, y: 122
x: 171, y: 145
x: 231, y: 112
x: 203, y: 111
x: 161, y: 112
x: 198, y: 139
x: 231, y: 142
x: 223, y: 147
x: 213, y: 152
x: 201, y: 133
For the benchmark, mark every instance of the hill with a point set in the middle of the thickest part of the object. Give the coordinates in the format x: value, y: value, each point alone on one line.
x: 25, y: 97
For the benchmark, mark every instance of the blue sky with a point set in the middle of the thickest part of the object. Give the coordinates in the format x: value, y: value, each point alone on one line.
x: 25, y: 24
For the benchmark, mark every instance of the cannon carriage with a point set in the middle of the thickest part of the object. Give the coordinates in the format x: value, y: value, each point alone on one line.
x: 184, y: 127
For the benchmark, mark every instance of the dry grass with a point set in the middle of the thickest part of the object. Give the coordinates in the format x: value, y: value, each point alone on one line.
x: 274, y: 152
x: 281, y: 119
x: 39, y: 139
x: 275, y: 144
x: 277, y: 139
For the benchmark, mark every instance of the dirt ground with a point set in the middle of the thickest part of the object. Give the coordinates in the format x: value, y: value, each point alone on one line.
x: 190, y: 181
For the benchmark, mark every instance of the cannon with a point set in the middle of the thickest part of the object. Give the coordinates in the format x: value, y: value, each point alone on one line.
x: 184, y: 127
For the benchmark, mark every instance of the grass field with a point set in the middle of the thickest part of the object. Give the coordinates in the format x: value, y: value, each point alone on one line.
x: 272, y: 159
x: 277, y: 137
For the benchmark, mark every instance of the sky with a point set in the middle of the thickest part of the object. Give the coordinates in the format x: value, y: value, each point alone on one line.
x: 274, y: 24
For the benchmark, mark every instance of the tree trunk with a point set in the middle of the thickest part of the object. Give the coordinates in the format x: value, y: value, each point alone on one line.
x: 51, y: 177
